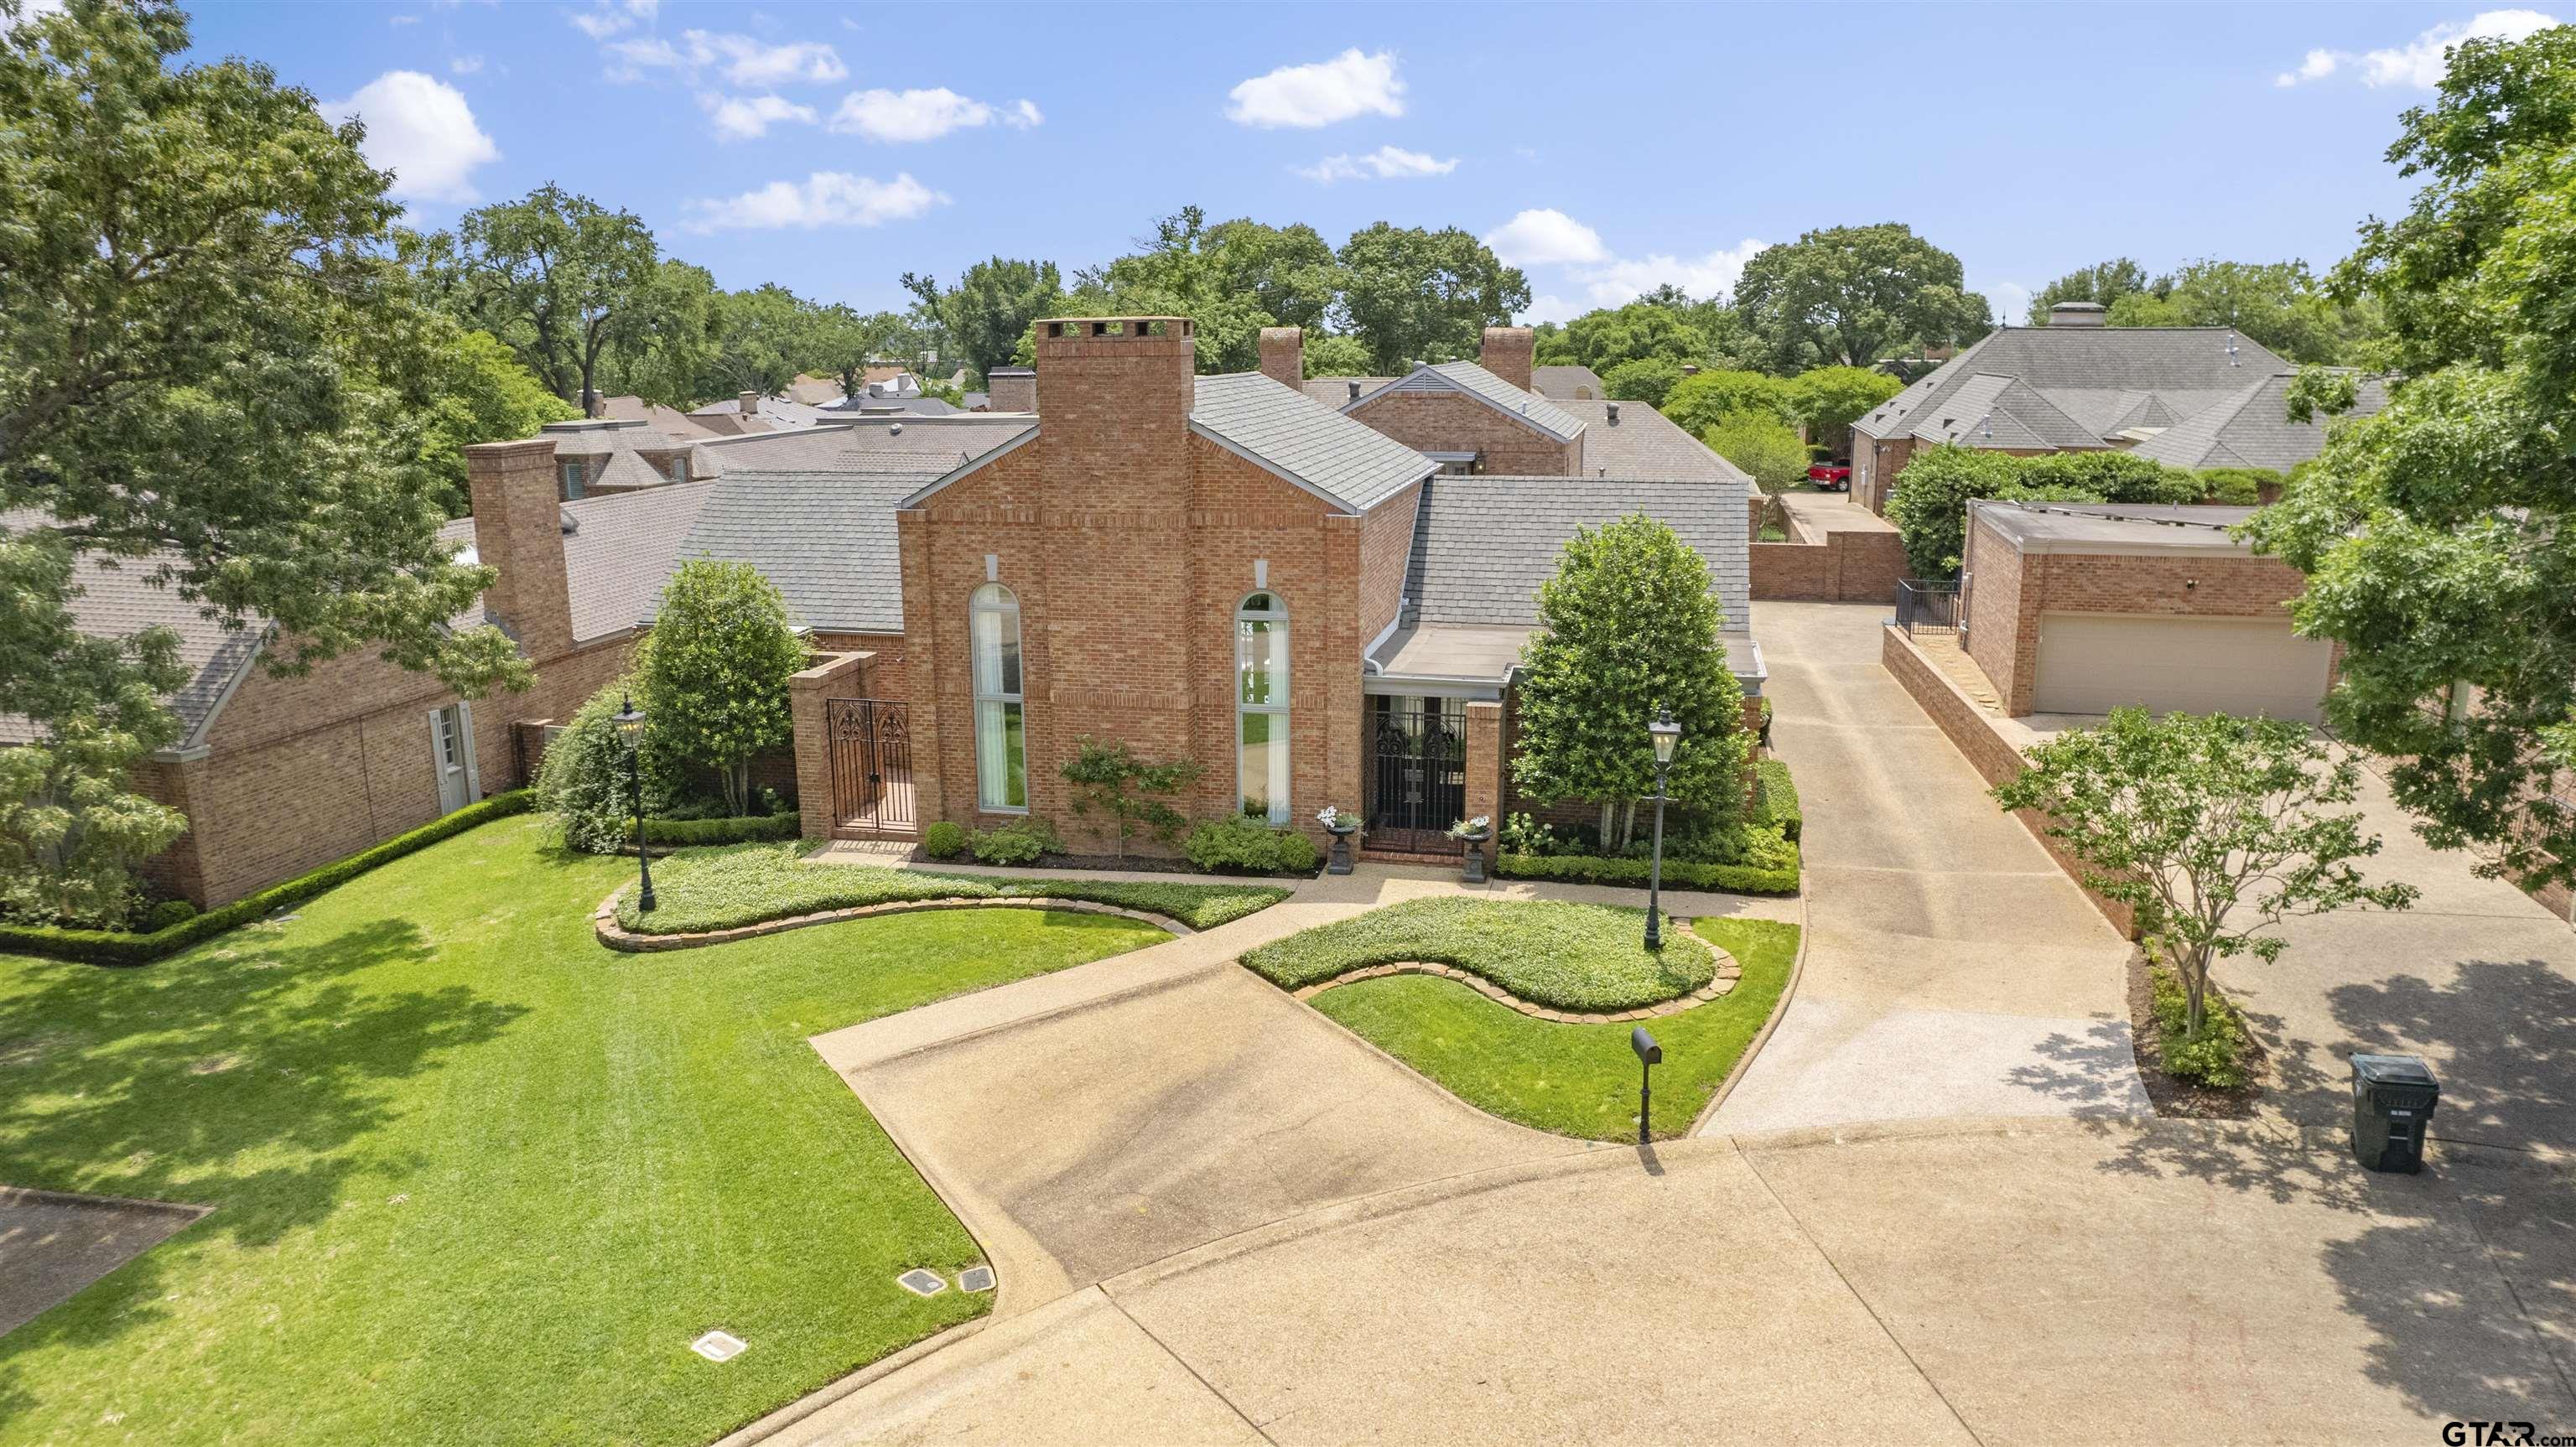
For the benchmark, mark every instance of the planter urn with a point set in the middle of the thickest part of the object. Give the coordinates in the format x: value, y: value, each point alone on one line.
x: 1341, y: 860
x: 1475, y: 872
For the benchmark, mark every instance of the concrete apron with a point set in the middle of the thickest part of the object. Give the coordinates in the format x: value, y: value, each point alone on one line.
x: 1994, y: 1282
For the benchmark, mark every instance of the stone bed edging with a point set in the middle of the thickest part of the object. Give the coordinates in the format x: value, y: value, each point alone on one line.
x: 603, y: 921
x: 1720, y: 984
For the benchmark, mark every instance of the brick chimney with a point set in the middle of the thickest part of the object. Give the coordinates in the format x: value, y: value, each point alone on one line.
x: 518, y: 529
x: 1011, y: 389
x: 2076, y: 314
x: 1283, y: 355
x: 749, y: 402
x: 1509, y: 354
x: 1116, y: 393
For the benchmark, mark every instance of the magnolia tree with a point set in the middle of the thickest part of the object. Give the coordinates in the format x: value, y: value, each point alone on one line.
x: 713, y: 674
x: 2214, y: 829
x: 1629, y: 627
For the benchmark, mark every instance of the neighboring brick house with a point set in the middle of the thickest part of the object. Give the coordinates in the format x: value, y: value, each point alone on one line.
x: 2071, y: 386
x: 2252, y: 428
x: 1568, y: 383
x: 605, y: 455
x: 2081, y: 608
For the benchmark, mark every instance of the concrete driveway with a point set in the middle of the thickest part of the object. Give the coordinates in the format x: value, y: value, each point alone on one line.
x: 2039, y: 1282
x: 1951, y: 968
x: 2476, y: 978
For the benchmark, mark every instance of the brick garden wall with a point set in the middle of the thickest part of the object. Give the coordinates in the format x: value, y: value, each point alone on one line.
x: 1846, y: 567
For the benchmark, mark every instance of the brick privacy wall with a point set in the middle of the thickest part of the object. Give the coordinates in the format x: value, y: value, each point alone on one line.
x: 1972, y: 732
x: 884, y: 675
x: 1485, y: 768
x: 1846, y: 567
x: 1509, y: 353
x: 1127, y: 613
x: 822, y: 679
x: 1386, y: 547
x: 1456, y: 422
x: 2011, y: 589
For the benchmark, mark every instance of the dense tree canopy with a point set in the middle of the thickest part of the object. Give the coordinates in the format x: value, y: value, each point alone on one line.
x: 981, y: 320
x: 2439, y: 535
x: 200, y: 315
x: 1412, y: 295
x: 2278, y: 304
x: 2104, y: 282
x: 480, y: 394
x: 562, y: 279
x: 1847, y: 295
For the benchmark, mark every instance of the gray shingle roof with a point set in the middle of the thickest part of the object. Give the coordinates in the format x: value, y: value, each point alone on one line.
x: 1564, y: 383
x: 621, y: 551
x: 602, y: 436
x: 2252, y: 428
x: 1484, y: 544
x: 1646, y: 443
x: 1348, y: 461
x: 956, y: 439
x: 827, y: 539
x: 1335, y: 392
x: 1502, y: 396
x: 2094, y: 375
x: 2004, y: 412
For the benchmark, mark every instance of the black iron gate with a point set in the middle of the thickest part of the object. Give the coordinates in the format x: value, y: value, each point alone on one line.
x: 871, y: 762
x: 1417, y: 772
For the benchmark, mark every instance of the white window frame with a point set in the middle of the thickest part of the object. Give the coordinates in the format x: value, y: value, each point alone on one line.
x: 1275, y: 614
x: 995, y: 599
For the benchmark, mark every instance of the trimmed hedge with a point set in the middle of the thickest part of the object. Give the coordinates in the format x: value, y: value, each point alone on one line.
x: 119, y: 947
x: 1776, y: 799
x: 749, y: 829
x: 1586, y: 957
x: 1678, y: 874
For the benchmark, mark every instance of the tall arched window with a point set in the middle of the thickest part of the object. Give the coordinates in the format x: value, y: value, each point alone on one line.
x: 1001, y: 726
x: 1261, y: 707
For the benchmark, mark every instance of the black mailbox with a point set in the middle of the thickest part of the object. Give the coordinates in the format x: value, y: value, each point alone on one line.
x: 2392, y: 1102
x: 1645, y: 1046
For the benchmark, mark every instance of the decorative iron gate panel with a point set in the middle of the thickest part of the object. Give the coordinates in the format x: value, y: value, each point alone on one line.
x: 871, y: 748
x: 1417, y: 772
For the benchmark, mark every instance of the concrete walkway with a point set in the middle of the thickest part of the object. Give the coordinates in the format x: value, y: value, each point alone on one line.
x: 1089, y: 1121
x: 2031, y: 1282
x: 1951, y: 969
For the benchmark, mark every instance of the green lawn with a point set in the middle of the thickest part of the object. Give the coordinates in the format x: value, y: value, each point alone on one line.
x: 1585, y: 957
x: 476, y: 1178
x: 1577, y: 1080
x: 723, y: 889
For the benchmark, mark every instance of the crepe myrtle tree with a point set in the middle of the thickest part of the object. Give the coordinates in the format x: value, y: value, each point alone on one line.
x: 1629, y: 627
x: 2213, y: 828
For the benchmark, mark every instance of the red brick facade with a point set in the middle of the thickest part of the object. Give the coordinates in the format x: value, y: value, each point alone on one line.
x: 2009, y: 589
x: 1845, y: 566
x: 1459, y: 422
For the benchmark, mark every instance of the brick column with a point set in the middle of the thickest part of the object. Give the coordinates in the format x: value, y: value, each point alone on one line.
x: 832, y: 675
x: 1485, y: 767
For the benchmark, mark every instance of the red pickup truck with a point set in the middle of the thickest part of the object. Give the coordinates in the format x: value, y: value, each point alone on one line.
x: 1831, y: 476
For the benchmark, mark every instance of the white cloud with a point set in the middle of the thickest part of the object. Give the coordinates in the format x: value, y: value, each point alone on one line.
x: 608, y: 17
x: 465, y: 64
x: 1550, y: 309
x: 827, y: 198
x: 2420, y: 62
x: 1623, y: 279
x: 749, y: 117
x: 899, y: 116
x: 1350, y: 84
x: 399, y: 20
x: 757, y: 62
x: 1386, y: 163
x: 2011, y: 300
x: 1546, y: 237
x: 421, y: 130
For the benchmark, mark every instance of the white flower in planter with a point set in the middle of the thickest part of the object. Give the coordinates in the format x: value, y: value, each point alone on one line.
x: 1333, y: 816
x: 1470, y: 828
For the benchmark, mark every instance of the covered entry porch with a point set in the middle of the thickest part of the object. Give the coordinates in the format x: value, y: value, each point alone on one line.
x: 1432, y: 736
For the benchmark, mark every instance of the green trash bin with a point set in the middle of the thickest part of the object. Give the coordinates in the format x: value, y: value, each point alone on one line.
x: 2392, y: 1102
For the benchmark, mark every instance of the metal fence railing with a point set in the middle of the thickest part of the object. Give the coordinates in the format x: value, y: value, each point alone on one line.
x: 1923, y: 606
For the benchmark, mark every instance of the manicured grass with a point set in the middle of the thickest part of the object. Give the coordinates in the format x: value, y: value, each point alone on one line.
x: 1576, y: 1080
x: 1587, y: 957
x: 724, y: 889
x: 477, y: 1179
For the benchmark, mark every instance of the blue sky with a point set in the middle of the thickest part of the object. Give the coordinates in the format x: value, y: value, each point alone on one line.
x: 1604, y: 148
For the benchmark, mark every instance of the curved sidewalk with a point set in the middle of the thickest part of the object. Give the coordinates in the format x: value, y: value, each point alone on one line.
x: 1952, y: 969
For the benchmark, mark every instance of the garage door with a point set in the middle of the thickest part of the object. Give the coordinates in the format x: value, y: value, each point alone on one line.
x: 2095, y: 662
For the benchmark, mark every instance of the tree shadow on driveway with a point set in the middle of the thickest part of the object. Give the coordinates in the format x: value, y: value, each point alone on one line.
x: 2097, y: 1075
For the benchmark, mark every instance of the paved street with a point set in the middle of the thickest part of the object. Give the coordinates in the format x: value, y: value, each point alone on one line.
x: 1952, y: 969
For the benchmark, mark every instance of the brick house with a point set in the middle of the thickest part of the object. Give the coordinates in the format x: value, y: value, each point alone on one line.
x: 2080, y: 608
x: 2071, y: 386
x: 1221, y: 569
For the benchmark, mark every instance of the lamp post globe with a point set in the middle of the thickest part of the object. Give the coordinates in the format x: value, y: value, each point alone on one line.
x: 1666, y: 735
x: 630, y: 726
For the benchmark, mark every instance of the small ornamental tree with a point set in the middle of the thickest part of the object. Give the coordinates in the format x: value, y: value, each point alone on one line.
x: 583, y: 781
x: 1766, y: 448
x: 712, y: 675
x: 1629, y: 627
x: 1111, y: 779
x: 2214, y: 829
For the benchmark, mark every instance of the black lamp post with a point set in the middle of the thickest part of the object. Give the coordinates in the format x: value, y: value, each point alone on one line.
x: 630, y: 724
x: 1666, y: 735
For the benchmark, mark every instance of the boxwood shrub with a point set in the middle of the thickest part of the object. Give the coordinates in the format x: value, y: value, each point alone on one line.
x: 1678, y: 874
x: 1776, y: 799
x: 749, y: 829
x: 120, y: 947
